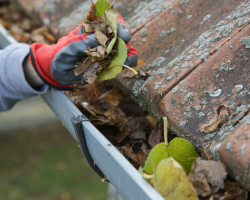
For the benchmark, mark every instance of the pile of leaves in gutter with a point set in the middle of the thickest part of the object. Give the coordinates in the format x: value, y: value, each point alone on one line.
x: 21, y: 27
x: 173, y: 168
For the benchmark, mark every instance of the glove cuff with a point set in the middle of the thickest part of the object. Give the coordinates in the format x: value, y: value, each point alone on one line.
x: 44, y: 72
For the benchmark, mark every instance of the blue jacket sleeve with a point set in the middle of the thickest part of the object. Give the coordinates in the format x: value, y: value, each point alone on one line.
x: 13, y: 85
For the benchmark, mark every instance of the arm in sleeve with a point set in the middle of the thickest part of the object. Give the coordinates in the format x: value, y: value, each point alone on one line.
x: 13, y: 85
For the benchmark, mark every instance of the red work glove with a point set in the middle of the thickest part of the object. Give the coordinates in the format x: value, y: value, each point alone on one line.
x: 54, y: 63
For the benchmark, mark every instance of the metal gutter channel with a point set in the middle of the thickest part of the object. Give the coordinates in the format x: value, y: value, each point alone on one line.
x: 123, y: 176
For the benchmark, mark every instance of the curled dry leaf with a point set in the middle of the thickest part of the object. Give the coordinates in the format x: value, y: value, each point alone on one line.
x: 88, y: 28
x: 91, y: 79
x: 143, y: 73
x: 227, y: 195
x: 200, y: 184
x: 123, y: 134
x: 128, y: 74
x: 229, y: 186
x: 102, y: 38
x: 88, y: 68
x: 213, y: 126
x: 116, y: 117
x: 128, y: 152
x: 111, y: 97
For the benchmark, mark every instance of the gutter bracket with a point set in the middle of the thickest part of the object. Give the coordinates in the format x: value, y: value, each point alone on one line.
x: 77, y: 124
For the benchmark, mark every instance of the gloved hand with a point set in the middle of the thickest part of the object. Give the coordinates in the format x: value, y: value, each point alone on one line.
x: 53, y: 64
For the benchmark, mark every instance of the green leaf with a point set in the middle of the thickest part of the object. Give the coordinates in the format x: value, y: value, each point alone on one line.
x: 159, y: 152
x: 171, y: 181
x: 181, y: 150
x: 115, y: 67
x: 111, y: 45
x: 101, y: 6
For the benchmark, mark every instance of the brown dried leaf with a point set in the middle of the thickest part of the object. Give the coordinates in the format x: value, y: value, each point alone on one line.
x: 101, y: 37
x: 213, y: 126
x: 214, y: 172
x: 111, y: 97
x: 83, y: 66
x: 50, y: 37
x: 144, y: 73
x: 92, y: 69
x: 142, y: 157
x: 89, y: 68
x: 97, y: 52
x: 140, y: 64
x: 235, y: 185
x: 227, y: 195
x: 123, y: 134
x: 128, y: 152
x: 138, y: 123
x: 138, y: 134
x: 128, y: 74
x: 101, y: 50
x: 26, y: 25
x: 99, y: 120
x: 116, y: 117
x: 200, y: 184
x: 91, y: 14
x: 91, y: 79
x: 109, y: 30
x: 155, y: 136
x: 38, y: 38
x: 40, y: 31
x: 88, y: 27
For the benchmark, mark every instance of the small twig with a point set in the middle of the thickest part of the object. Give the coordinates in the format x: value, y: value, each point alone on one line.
x: 68, y: 75
x: 113, y: 4
x: 165, y: 129
x: 131, y: 149
x: 193, y: 158
x: 206, y: 153
x: 135, y: 72
x: 86, y: 60
x: 192, y: 133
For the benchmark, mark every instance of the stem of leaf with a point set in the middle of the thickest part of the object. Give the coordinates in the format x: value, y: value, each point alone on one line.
x: 135, y: 72
x: 165, y: 129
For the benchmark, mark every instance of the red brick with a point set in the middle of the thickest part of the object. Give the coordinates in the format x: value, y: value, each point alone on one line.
x: 189, y: 30
x: 202, y: 79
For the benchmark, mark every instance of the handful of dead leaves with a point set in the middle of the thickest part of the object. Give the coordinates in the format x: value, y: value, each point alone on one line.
x: 106, y: 60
